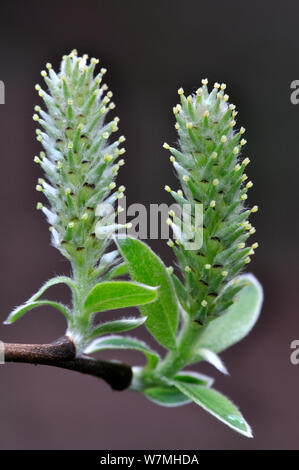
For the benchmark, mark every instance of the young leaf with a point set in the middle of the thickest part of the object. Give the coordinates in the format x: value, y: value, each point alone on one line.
x: 117, y: 326
x: 22, y: 309
x: 52, y: 282
x: 234, y: 325
x: 216, y: 404
x: 118, y: 294
x: 117, y: 271
x: 168, y: 396
x: 121, y: 342
x: 146, y: 267
x: 212, y: 358
x: 196, y: 378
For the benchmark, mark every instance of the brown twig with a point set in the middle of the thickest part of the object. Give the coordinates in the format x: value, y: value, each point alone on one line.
x: 62, y: 353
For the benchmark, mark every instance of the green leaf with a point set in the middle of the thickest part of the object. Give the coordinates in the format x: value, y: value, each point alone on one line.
x: 117, y: 271
x: 169, y: 395
x: 121, y: 342
x: 117, y: 326
x: 146, y: 267
x: 194, y: 378
x: 52, y: 282
x: 216, y: 404
x: 22, y: 309
x: 166, y: 396
x: 234, y: 325
x: 118, y: 294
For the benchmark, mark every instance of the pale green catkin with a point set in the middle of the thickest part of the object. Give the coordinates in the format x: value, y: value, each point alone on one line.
x: 79, y: 161
x: 210, y: 169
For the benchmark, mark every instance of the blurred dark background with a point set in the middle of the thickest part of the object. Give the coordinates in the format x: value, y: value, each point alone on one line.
x: 150, y: 49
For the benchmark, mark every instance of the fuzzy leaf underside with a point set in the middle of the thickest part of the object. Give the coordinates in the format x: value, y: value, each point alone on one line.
x: 237, y: 322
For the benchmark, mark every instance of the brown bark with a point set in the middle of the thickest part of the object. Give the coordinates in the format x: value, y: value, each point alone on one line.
x: 62, y: 353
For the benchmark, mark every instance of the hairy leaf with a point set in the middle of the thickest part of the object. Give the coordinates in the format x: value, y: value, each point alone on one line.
x: 146, y: 267
x: 117, y: 326
x: 121, y: 342
x: 216, y: 404
x: 240, y: 318
x: 22, y: 309
x: 118, y: 294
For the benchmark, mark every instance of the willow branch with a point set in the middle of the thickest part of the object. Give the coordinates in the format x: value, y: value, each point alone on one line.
x: 62, y: 353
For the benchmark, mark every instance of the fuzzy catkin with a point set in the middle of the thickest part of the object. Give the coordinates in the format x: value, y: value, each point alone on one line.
x: 79, y: 161
x: 210, y: 169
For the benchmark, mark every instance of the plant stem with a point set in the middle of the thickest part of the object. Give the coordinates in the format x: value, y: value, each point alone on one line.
x: 177, y: 360
x: 62, y: 353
